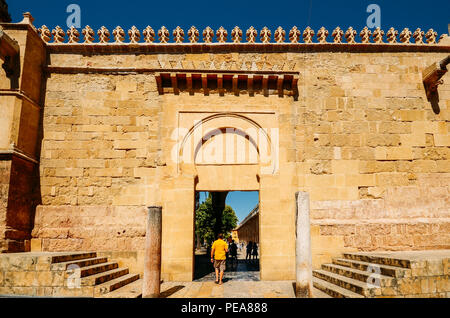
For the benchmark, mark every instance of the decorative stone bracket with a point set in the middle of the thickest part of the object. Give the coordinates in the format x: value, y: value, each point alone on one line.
x: 231, y: 82
x: 432, y: 76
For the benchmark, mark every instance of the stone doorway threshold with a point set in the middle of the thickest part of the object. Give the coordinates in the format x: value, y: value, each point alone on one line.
x: 238, y: 269
x: 233, y: 289
x: 230, y: 289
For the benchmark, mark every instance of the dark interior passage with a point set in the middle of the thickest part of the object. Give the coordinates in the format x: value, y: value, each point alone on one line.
x: 214, y: 215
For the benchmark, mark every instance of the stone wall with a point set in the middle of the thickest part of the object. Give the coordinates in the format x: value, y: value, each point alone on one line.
x: 90, y: 228
x: 47, y: 274
x: 5, y: 170
x: 356, y: 132
x: 249, y: 231
x: 407, y: 218
x: 365, y: 125
x: 366, y: 143
x: 373, y: 154
x: 20, y: 134
x: 22, y: 201
x: 31, y: 275
x: 19, y: 182
x: 100, y: 139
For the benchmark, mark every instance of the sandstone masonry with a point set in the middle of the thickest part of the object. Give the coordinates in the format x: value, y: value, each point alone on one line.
x: 88, y: 138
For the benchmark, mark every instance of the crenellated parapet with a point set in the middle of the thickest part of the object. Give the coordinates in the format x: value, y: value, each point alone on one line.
x: 239, y: 36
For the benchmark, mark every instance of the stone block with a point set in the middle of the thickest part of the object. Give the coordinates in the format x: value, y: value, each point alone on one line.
x: 107, y: 172
x: 399, y: 153
x: 376, y: 166
x: 85, y: 291
x: 425, y: 166
x: 423, y: 127
x: 381, y: 153
x: 429, y: 285
x: 69, y: 172
x: 320, y: 180
x: 442, y: 140
x: 17, y: 263
x: 409, y: 115
x: 435, y: 267
x: 345, y: 166
x: 391, y: 179
x: 18, y: 291
x: 446, y: 266
x: 360, y: 180
x: 20, y: 279
x: 126, y: 86
x: 442, y: 283
x: 90, y: 163
x: 389, y: 291
x: 413, y: 140
x: 44, y: 291
x: 395, y: 128
x: 418, y: 272
x: 410, y: 286
x: 43, y: 279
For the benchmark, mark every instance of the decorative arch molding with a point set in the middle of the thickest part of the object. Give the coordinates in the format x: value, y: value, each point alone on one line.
x: 259, y: 137
x: 224, y: 130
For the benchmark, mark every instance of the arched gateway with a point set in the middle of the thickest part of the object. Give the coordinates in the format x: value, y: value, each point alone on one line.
x: 221, y: 148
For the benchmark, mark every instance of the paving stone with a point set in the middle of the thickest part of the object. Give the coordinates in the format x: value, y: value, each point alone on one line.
x: 232, y: 289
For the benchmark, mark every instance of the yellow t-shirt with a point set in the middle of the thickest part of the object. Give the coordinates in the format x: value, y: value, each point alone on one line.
x: 220, y: 247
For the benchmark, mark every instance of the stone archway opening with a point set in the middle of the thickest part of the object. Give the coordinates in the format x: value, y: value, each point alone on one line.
x: 235, y: 214
x: 220, y: 152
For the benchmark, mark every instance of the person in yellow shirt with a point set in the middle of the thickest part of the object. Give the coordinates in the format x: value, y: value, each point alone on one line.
x: 219, y: 258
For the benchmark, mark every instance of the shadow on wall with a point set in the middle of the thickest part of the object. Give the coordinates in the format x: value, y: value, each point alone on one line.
x: 434, y: 101
x: 40, y: 136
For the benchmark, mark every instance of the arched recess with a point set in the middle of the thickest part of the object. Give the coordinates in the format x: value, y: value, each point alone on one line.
x: 229, y: 127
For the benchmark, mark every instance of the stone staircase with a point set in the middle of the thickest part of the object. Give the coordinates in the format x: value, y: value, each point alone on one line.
x: 84, y: 274
x: 98, y: 275
x: 359, y: 275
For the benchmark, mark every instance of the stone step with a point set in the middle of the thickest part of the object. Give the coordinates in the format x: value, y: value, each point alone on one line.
x: 72, y: 257
x: 387, y: 270
x: 98, y: 268
x: 80, y: 263
x: 103, y: 277
x: 363, y: 276
x: 351, y: 284
x: 379, y: 259
x: 317, y: 293
x: 333, y: 290
x: 132, y: 290
x: 117, y: 284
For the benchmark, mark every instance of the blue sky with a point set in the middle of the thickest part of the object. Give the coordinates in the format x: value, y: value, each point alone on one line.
x: 315, y: 13
x: 241, y: 202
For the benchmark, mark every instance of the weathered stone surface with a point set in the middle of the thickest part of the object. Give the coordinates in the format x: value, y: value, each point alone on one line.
x: 58, y: 277
x: 359, y: 135
x: 377, y: 269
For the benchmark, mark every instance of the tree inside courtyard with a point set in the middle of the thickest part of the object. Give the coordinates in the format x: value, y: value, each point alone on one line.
x: 205, y: 221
